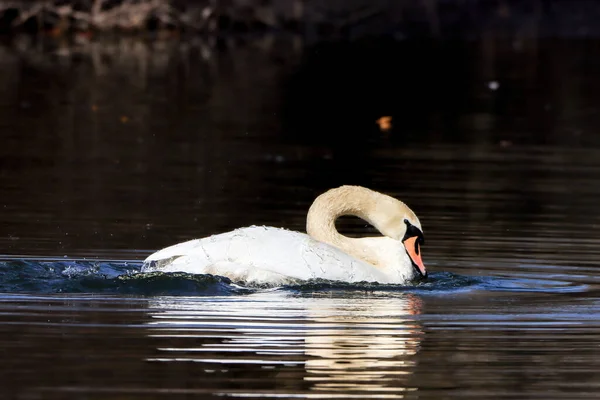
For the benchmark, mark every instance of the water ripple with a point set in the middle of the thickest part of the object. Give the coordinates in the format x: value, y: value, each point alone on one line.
x: 124, y: 277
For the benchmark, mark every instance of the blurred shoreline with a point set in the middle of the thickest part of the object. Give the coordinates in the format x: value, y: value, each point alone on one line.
x: 313, y: 20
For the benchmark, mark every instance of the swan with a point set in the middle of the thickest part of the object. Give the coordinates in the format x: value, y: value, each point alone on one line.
x: 269, y: 255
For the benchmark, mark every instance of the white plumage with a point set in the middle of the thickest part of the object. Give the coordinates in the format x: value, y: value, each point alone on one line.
x: 263, y: 255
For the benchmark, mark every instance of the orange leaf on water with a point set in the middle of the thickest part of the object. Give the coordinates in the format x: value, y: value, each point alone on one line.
x: 385, y: 123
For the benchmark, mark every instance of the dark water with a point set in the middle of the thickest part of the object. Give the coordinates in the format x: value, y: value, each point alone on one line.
x: 113, y: 150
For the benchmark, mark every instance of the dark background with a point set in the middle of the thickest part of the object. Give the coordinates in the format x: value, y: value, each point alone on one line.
x: 131, y: 138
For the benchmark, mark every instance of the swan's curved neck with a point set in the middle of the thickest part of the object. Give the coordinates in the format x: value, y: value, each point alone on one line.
x: 383, y: 212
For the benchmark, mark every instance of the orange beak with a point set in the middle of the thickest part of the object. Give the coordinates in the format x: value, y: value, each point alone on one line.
x: 414, y: 252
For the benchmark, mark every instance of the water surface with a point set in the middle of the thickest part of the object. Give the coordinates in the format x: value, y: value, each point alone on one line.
x: 113, y: 150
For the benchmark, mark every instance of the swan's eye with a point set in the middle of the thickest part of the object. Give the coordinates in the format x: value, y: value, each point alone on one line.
x: 412, y: 231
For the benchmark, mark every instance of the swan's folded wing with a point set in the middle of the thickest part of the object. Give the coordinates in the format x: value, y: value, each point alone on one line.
x: 263, y: 254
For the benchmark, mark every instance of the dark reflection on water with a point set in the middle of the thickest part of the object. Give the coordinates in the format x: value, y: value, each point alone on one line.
x: 112, y: 150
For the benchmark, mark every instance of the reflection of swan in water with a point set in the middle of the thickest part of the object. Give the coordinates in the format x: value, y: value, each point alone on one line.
x: 373, y: 342
x: 345, y: 344
x: 268, y: 255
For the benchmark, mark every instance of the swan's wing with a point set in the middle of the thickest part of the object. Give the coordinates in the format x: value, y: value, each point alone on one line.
x: 169, y: 253
x: 263, y: 254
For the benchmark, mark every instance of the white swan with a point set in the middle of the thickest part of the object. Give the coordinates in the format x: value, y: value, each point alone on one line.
x: 267, y: 255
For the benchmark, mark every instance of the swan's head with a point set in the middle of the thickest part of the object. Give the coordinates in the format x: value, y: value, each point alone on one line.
x: 396, y: 220
x: 412, y: 240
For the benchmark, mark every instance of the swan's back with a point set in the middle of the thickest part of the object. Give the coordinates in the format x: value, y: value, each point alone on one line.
x: 263, y: 255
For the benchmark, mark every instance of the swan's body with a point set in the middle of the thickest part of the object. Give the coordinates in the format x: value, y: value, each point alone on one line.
x: 268, y: 255
x: 265, y: 254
